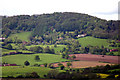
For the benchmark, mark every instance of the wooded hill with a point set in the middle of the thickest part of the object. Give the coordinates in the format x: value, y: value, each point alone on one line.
x: 61, y: 22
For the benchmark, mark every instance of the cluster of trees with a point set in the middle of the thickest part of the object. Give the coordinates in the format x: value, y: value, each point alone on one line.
x: 27, y: 75
x: 39, y: 49
x: 62, y: 22
x: 76, y: 48
x: 85, y: 74
x: 66, y: 56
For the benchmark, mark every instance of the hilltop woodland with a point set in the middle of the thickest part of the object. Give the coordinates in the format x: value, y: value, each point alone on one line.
x: 44, y: 24
x: 32, y: 44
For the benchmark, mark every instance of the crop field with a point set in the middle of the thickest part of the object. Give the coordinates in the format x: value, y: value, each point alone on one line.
x: 17, y: 70
x: 22, y: 36
x: 44, y: 58
x: 91, y: 57
x: 83, y: 64
x: 85, y: 41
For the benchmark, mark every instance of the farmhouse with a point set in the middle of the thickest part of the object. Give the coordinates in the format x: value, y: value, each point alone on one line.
x: 113, y: 50
x: 60, y: 38
x: 82, y: 35
x: 2, y: 38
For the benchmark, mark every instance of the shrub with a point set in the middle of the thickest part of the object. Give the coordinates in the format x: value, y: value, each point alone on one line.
x: 37, y: 58
x: 62, y: 67
x: 26, y: 63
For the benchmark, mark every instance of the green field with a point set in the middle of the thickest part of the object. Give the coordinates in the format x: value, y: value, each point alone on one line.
x: 21, y: 58
x: 85, y: 41
x: 17, y: 70
x: 57, y: 49
x: 22, y: 36
x: 6, y: 51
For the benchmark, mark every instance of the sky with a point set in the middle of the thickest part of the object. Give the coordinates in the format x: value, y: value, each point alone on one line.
x: 104, y: 9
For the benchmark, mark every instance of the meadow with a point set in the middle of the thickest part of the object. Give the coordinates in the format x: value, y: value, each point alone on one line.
x: 57, y: 49
x: 6, y: 51
x: 20, y: 70
x: 24, y: 36
x: 85, y: 41
x: 44, y: 58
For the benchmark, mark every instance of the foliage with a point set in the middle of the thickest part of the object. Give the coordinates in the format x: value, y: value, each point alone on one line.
x: 37, y: 58
x: 26, y: 63
x: 37, y: 49
x: 73, y: 57
x: 67, y: 21
x: 69, y: 64
x: 62, y: 67
x: 9, y: 46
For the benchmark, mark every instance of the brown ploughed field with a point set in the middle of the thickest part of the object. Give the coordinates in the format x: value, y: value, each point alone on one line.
x: 90, y: 60
x: 91, y: 57
x: 82, y: 64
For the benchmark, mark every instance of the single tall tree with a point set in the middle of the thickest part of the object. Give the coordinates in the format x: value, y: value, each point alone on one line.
x: 26, y: 63
x: 37, y: 58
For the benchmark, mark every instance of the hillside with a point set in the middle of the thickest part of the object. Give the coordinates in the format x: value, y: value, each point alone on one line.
x: 60, y: 22
x: 20, y: 36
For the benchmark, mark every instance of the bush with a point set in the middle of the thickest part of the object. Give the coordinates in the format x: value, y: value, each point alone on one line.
x: 37, y: 58
x: 9, y: 46
x: 62, y: 67
x: 52, y: 74
x: 111, y: 76
x: 45, y: 64
x: 32, y: 75
x: 26, y: 63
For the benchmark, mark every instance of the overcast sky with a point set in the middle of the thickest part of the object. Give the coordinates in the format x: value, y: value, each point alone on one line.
x: 105, y: 9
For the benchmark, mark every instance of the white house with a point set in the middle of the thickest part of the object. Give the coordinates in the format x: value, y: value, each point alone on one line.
x: 82, y: 35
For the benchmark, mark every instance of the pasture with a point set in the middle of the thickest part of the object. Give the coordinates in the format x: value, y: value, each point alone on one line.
x: 24, y: 36
x: 85, y: 41
x: 20, y: 70
x: 44, y: 58
x: 6, y: 51
x: 57, y: 49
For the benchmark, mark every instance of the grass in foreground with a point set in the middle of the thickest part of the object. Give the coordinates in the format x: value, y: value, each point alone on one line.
x: 20, y: 70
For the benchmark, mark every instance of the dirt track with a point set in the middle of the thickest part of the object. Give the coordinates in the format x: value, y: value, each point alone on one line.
x: 91, y: 57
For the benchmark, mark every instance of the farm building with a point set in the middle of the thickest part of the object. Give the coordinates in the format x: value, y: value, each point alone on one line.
x: 113, y: 50
x: 2, y: 38
x: 9, y: 65
x: 82, y: 35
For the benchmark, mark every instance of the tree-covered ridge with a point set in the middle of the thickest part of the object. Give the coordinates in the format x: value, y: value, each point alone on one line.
x: 62, y: 22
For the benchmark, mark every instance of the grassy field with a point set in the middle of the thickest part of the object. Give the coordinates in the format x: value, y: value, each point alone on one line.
x: 57, y: 49
x: 23, y: 36
x: 6, y: 51
x: 17, y: 70
x: 21, y: 58
x: 93, y: 41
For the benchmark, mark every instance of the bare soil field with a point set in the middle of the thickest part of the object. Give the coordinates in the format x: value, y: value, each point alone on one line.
x: 82, y: 64
x: 91, y: 57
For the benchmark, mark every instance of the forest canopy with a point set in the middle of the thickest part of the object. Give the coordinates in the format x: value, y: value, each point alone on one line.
x: 61, y: 22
